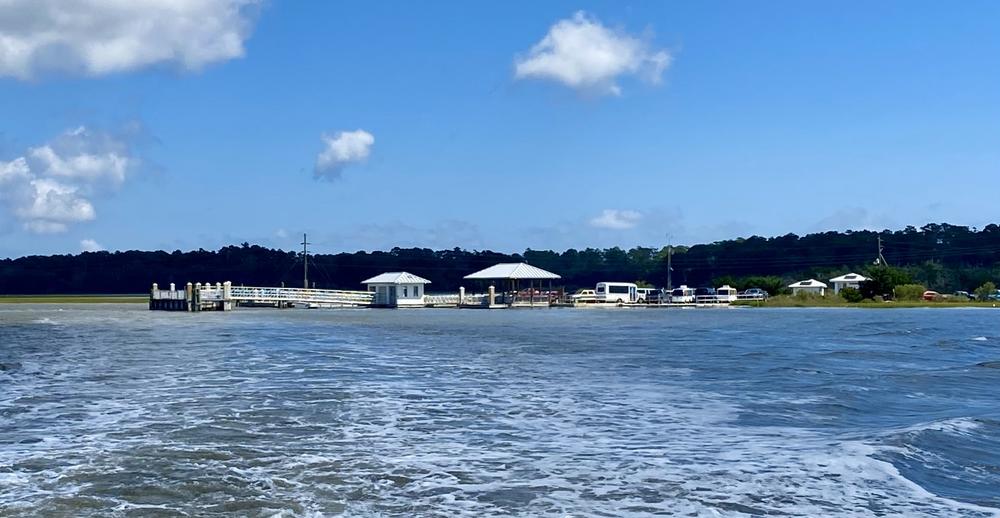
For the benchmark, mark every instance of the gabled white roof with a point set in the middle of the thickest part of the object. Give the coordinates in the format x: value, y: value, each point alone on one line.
x: 850, y: 277
x: 512, y: 271
x: 808, y: 283
x: 396, y: 278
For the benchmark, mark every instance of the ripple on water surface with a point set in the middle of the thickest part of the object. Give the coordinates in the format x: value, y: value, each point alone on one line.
x: 113, y: 410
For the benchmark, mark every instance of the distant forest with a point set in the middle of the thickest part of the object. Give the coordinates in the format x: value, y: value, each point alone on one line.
x: 939, y: 256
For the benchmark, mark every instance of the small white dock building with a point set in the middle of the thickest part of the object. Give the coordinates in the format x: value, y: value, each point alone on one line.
x: 397, y: 289
x: 849, y: 280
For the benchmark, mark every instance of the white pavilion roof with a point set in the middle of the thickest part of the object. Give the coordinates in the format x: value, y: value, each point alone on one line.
x: 396, y: 278
x: 808, y: 283
x: 850, y: 277
x: 512, y: 271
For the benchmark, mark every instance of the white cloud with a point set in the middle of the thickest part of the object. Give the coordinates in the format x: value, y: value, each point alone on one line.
x: 583, y: 54
x: 85, y: 166
x: 51, y: 187
x: 616, y: 219
x: 52, y: 206
x: 89, y: 245
x: 340, y: 150
x: 96, y: 37
x: 14, y: 170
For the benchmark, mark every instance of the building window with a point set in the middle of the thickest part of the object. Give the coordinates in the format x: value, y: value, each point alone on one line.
x: 404, y: 292
x: 416, y: 291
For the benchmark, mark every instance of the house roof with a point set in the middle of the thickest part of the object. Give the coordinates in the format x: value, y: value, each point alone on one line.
x: 808, y: 283
x: 512, y: 271
x: 396, y: 278
x: 850, y: 277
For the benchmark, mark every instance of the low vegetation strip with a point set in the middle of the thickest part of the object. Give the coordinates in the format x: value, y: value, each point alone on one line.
x: 74, y: 299
x: 795, y: 301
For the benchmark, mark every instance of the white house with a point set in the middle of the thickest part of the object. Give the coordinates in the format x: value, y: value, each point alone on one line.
x: 397, y: 289
x: 811, y: 286
x: 850, y: 280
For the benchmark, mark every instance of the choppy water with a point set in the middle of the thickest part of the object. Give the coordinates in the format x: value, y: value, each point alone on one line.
x: 117, y: 411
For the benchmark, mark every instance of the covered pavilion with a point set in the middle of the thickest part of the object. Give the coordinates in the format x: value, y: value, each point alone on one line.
x: 515, y: 274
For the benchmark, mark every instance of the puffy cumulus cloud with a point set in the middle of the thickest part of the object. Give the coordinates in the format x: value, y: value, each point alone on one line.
x: 615, y: 219
x: 89, y: 245
x: 83, y: 155
x: 96, y: 37
x: 49, y: 188
x: 581, y: 53
x: 52, y: 206
x: 342, y: 149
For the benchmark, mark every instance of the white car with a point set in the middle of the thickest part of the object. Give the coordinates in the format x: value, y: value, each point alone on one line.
x: 583, y: 296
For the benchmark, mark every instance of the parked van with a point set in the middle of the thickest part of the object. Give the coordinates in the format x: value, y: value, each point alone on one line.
x: 617, y: 292
x: 726, y: 293
x: 682, y: 295
x: 647, y: 295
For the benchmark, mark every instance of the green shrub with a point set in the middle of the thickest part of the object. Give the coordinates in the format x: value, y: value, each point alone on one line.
x: 910, y: 291
x: 985, y: 291
x: 851, y: 295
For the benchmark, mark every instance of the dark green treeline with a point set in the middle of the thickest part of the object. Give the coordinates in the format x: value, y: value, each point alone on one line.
x: 940, y: 256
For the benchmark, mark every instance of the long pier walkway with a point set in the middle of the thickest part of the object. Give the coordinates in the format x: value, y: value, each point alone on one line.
x: 225, y: 296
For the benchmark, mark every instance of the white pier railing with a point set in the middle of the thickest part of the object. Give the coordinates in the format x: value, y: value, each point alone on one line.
x: 225, y: 296
x: 455, y: 300
x: 303, y: 295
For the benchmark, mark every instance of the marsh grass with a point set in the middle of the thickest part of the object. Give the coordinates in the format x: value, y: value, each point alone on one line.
x: 75, y: 299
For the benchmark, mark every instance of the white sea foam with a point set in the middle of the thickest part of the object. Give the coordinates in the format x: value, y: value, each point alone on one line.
x: 380, y: 431
x: 954, y: 426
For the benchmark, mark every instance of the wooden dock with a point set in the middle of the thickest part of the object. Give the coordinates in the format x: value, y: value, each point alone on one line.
x: 225, y: 297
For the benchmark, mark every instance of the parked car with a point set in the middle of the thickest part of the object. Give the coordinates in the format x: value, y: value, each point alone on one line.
x: 583, y: 296
x: 931, y: 295
x: 704, y: 295
x: 755, y: 293
x: 964, y: 295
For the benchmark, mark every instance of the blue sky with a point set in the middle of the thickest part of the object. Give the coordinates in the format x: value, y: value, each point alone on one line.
x: 436, y: 124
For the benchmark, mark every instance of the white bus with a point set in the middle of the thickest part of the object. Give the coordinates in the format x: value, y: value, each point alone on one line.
x: 617, y: 292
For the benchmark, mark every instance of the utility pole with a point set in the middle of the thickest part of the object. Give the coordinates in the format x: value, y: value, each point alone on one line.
x: 305, y: 262
x: 670, y: 268
x: 880, y: 261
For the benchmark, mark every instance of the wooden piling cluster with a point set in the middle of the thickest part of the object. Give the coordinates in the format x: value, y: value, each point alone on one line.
x: 193, y: 298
